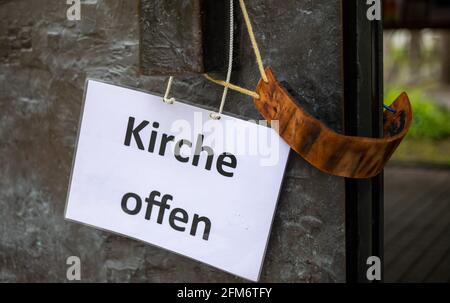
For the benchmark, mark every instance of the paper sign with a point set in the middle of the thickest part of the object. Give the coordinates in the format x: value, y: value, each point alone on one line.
x: 171, y: 176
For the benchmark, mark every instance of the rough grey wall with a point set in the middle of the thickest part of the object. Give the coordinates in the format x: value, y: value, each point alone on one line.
x: 179, y: 45
x: 44, y: 60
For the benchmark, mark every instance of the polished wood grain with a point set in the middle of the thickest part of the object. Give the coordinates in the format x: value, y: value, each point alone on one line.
x: 327, y: 150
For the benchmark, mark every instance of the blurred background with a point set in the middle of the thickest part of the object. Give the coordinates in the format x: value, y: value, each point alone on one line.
x: 417, y: 181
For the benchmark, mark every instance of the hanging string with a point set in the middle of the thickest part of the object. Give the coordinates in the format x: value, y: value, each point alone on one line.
x: 216, y: 116
x: 259, y: 60
x: 166, y: 98
x: 233, y: 87
x: 251, y: 33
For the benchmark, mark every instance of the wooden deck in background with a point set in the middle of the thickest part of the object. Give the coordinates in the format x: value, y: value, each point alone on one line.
x: 417, y: 225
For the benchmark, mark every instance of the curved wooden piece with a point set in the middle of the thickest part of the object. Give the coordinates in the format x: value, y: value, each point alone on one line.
x: 331, y: 152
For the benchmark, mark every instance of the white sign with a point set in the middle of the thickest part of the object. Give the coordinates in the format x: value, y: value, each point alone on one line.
x: 171, y: 176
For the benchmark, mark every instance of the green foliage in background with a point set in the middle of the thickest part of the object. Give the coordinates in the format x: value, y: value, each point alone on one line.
x: 430, y: 121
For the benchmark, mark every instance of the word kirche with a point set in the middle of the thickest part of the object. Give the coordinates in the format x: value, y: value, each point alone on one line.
x: 225, y: 163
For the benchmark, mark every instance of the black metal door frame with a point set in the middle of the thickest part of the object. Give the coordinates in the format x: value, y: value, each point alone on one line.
x: 363, y: 115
